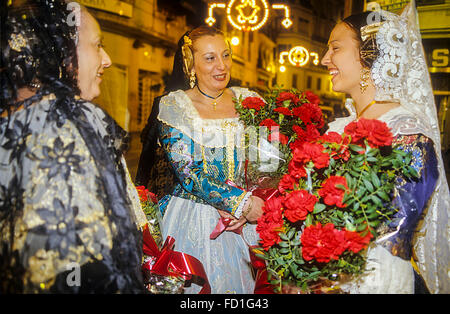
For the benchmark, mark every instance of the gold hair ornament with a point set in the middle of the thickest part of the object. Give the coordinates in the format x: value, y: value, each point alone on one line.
x: 370, y: 30
x: 17, y: 42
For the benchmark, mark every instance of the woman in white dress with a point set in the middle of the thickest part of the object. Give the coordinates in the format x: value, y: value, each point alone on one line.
x: 200, y: 133
x: 377, y: 58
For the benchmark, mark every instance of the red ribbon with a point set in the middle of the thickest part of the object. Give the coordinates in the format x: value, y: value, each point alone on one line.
x: 221, y: 226
x: 262, y: 286
x: 173, y: 263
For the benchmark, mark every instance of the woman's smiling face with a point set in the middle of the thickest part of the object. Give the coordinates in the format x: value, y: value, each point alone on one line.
x: 343, y: 60
x: 92, y: 58
x: 212, y: 63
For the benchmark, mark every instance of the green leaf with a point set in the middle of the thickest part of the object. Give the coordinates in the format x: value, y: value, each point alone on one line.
x: 318, y: 208
x: 361, y: 227
x: 308, y: 221
x: 283, y: 244
x: 375, y: 179
x: 368, y: 185
x: 291, y: 233
x: 376, y: 200
x: 355, y: 148
x: 383, y: 195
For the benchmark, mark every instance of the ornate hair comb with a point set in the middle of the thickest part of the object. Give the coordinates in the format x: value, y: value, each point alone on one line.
x: 17, y: 42
x: 187, y: 40
x: 370, y: 30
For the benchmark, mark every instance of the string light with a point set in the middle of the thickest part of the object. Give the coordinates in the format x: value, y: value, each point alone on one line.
x: 245, y: 22
x: 315, y: 55
x: 211, y: 20
x: 235, y: 41
x: 287, y: 22
x: 248, y: 15
x: 282, y: 55
x: 298, y: 56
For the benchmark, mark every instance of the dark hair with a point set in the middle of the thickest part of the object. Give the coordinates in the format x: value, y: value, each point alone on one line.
x: 38, y: 49
x: 368, y: 48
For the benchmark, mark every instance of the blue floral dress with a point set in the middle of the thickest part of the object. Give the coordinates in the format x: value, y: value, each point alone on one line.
x: 204, y: 154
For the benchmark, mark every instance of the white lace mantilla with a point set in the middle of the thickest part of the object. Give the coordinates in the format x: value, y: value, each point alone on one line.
x: 178, y: 111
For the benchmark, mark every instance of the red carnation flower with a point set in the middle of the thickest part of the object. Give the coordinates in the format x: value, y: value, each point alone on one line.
x: 331, y: 194
x: 298, y: 204
x: 312, y: 98
x: 143, y: 193
x: 296, y: 169
x: 283, y: 110
x: 253, y: 103
x: 322, y: 243
x: 338, y: 144
x: 355, y: 242
x: 283, y: 96
x: 377, y: 132
x: 268, y: 123
x: 310, y: 113
x: 278, y: 137
x: 311, y: 152
x: 287, y: 183
x: 270, y: 223
x: 309, y: 135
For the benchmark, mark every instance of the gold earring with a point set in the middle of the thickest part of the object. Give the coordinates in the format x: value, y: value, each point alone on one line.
x: 365, y: 76
x: 192, y: 79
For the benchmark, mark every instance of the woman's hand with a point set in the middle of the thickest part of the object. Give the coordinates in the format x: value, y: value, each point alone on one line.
x: 235, y: 223
x: 255, y: 211
x: 252, y: 209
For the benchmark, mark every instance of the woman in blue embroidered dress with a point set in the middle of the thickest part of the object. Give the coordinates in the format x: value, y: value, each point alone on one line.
x: 201, y: 136
x: 378, y: 59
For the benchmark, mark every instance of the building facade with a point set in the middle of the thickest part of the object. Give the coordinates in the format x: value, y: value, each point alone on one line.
x: 141, y: 37
x: 301, y: 47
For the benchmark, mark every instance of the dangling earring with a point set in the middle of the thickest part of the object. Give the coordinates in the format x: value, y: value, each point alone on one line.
x: 365, y: 76
x: 192, y: 79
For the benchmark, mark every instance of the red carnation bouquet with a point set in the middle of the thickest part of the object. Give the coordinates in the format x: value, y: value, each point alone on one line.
x: 166, y: 271
x: 149, y: 204
x: 274, y: 125
x: 335, y: 195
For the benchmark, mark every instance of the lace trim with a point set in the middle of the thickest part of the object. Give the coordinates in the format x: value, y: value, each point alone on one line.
x: 238, y: 212
x: 178, y: 111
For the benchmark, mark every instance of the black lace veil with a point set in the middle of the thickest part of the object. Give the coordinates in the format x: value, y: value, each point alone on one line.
x: 38, y: 51
x: 152, y: 161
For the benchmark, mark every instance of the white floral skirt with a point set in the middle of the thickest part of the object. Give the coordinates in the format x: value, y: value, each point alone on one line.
x: 226, y: 259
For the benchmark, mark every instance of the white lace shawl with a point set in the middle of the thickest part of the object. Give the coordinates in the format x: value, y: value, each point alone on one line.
x: 176, y: 110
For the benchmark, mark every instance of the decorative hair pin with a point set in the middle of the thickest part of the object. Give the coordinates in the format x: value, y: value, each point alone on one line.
x: 17, y: 42
x: 187, y: 40
x: 370, y: 30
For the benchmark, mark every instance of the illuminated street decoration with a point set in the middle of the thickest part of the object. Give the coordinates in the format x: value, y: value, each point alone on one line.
x: 235, y: 41
x: 248, y: 15
x: 211, y: 20
x: 299, y: 56
x: 315, y: 55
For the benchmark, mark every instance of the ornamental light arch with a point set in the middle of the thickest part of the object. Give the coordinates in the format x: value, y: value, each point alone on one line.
x: 248, y: 15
